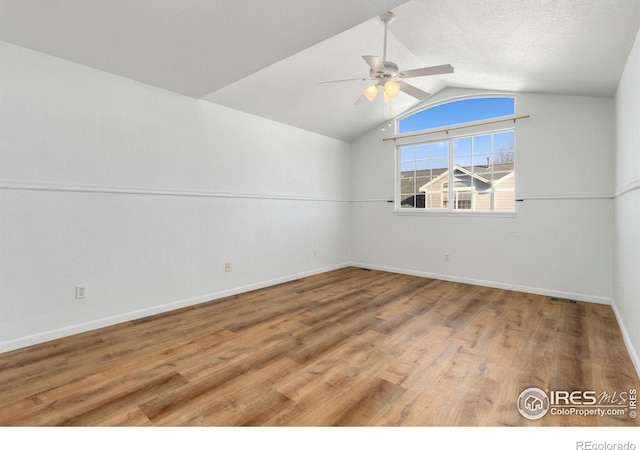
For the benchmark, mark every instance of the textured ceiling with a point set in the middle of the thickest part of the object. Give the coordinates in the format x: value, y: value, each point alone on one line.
x: 266, y: 57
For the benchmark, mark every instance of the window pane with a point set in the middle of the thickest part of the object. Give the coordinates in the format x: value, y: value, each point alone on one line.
x: 407, y: 166
x: 407, y: 154
x: 422, y: 183
x: 503, y: 158
x: 482, y: 144
x: 421, y: 170
x: 503, y: 141
x: 462, y: 147
x: 464, y: 161
x: 424, y: 164
x: 407, y: 201
x: 463, y: 181
x: 440, y: 150
x: 407, y: 185
x: 503, y: 148
x: 482, y: 200
x: 481, y: 163
x: 434, y: 200
x: 440, y: 164
x: 423, y: 152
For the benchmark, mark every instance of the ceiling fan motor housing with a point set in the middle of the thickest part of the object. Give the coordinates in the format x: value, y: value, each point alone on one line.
x: 390, y: 71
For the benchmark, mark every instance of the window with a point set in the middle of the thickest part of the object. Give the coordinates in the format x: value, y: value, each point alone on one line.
x: 457, y: 112
x: 467, y: 173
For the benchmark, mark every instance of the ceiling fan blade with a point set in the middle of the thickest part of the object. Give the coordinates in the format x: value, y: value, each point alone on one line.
x: 342, y: 81
x: 413, y: 91
x: 425, y: 71
x: 375, y: 63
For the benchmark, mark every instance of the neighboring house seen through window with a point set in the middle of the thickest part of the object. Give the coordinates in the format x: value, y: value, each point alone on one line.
x: 472, y: 172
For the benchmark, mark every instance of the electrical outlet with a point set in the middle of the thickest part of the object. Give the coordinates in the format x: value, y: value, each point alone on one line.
x: 227, y: 267
x: 81, y: 291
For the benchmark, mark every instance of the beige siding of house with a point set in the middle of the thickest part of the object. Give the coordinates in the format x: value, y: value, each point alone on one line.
x: 507, y: 182
x: 482, y: 201
x: 433, y: 199
x: 505, y: 194
x: 434, y: 194
x: 505, y: 200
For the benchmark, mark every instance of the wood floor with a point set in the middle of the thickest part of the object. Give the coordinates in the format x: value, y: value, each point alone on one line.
x: 348, y: 347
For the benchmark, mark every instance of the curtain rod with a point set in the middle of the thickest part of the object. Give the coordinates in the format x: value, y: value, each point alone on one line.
x: 459, y: 127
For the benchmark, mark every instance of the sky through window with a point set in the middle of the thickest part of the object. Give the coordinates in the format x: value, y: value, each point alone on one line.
x: 456, y: 112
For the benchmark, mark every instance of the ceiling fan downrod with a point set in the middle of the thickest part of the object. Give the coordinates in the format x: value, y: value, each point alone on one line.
x: 386, y: 18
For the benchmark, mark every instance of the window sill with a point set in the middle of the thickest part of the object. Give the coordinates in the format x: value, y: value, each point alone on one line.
x: 446, y: 213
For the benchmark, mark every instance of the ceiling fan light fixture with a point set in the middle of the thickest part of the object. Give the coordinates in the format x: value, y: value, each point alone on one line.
x: 391, y: 89
x: 371, y: 92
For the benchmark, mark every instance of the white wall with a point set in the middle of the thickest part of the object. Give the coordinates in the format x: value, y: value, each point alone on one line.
x: 560, y: 241
x: 626, y: 299
x: 143, y: 195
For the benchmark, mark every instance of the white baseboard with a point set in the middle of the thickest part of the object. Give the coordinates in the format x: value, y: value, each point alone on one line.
x: 491, y: 284
x: 633, y: 353
x: 50, y: 335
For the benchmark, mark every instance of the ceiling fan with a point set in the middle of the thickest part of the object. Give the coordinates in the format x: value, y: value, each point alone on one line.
x: 387, y: 75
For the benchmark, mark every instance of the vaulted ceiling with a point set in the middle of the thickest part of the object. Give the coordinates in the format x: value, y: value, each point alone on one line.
x: 267, y: 57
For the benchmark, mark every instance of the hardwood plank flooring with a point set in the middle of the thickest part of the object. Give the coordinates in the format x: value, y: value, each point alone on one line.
x: 351, y: 347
